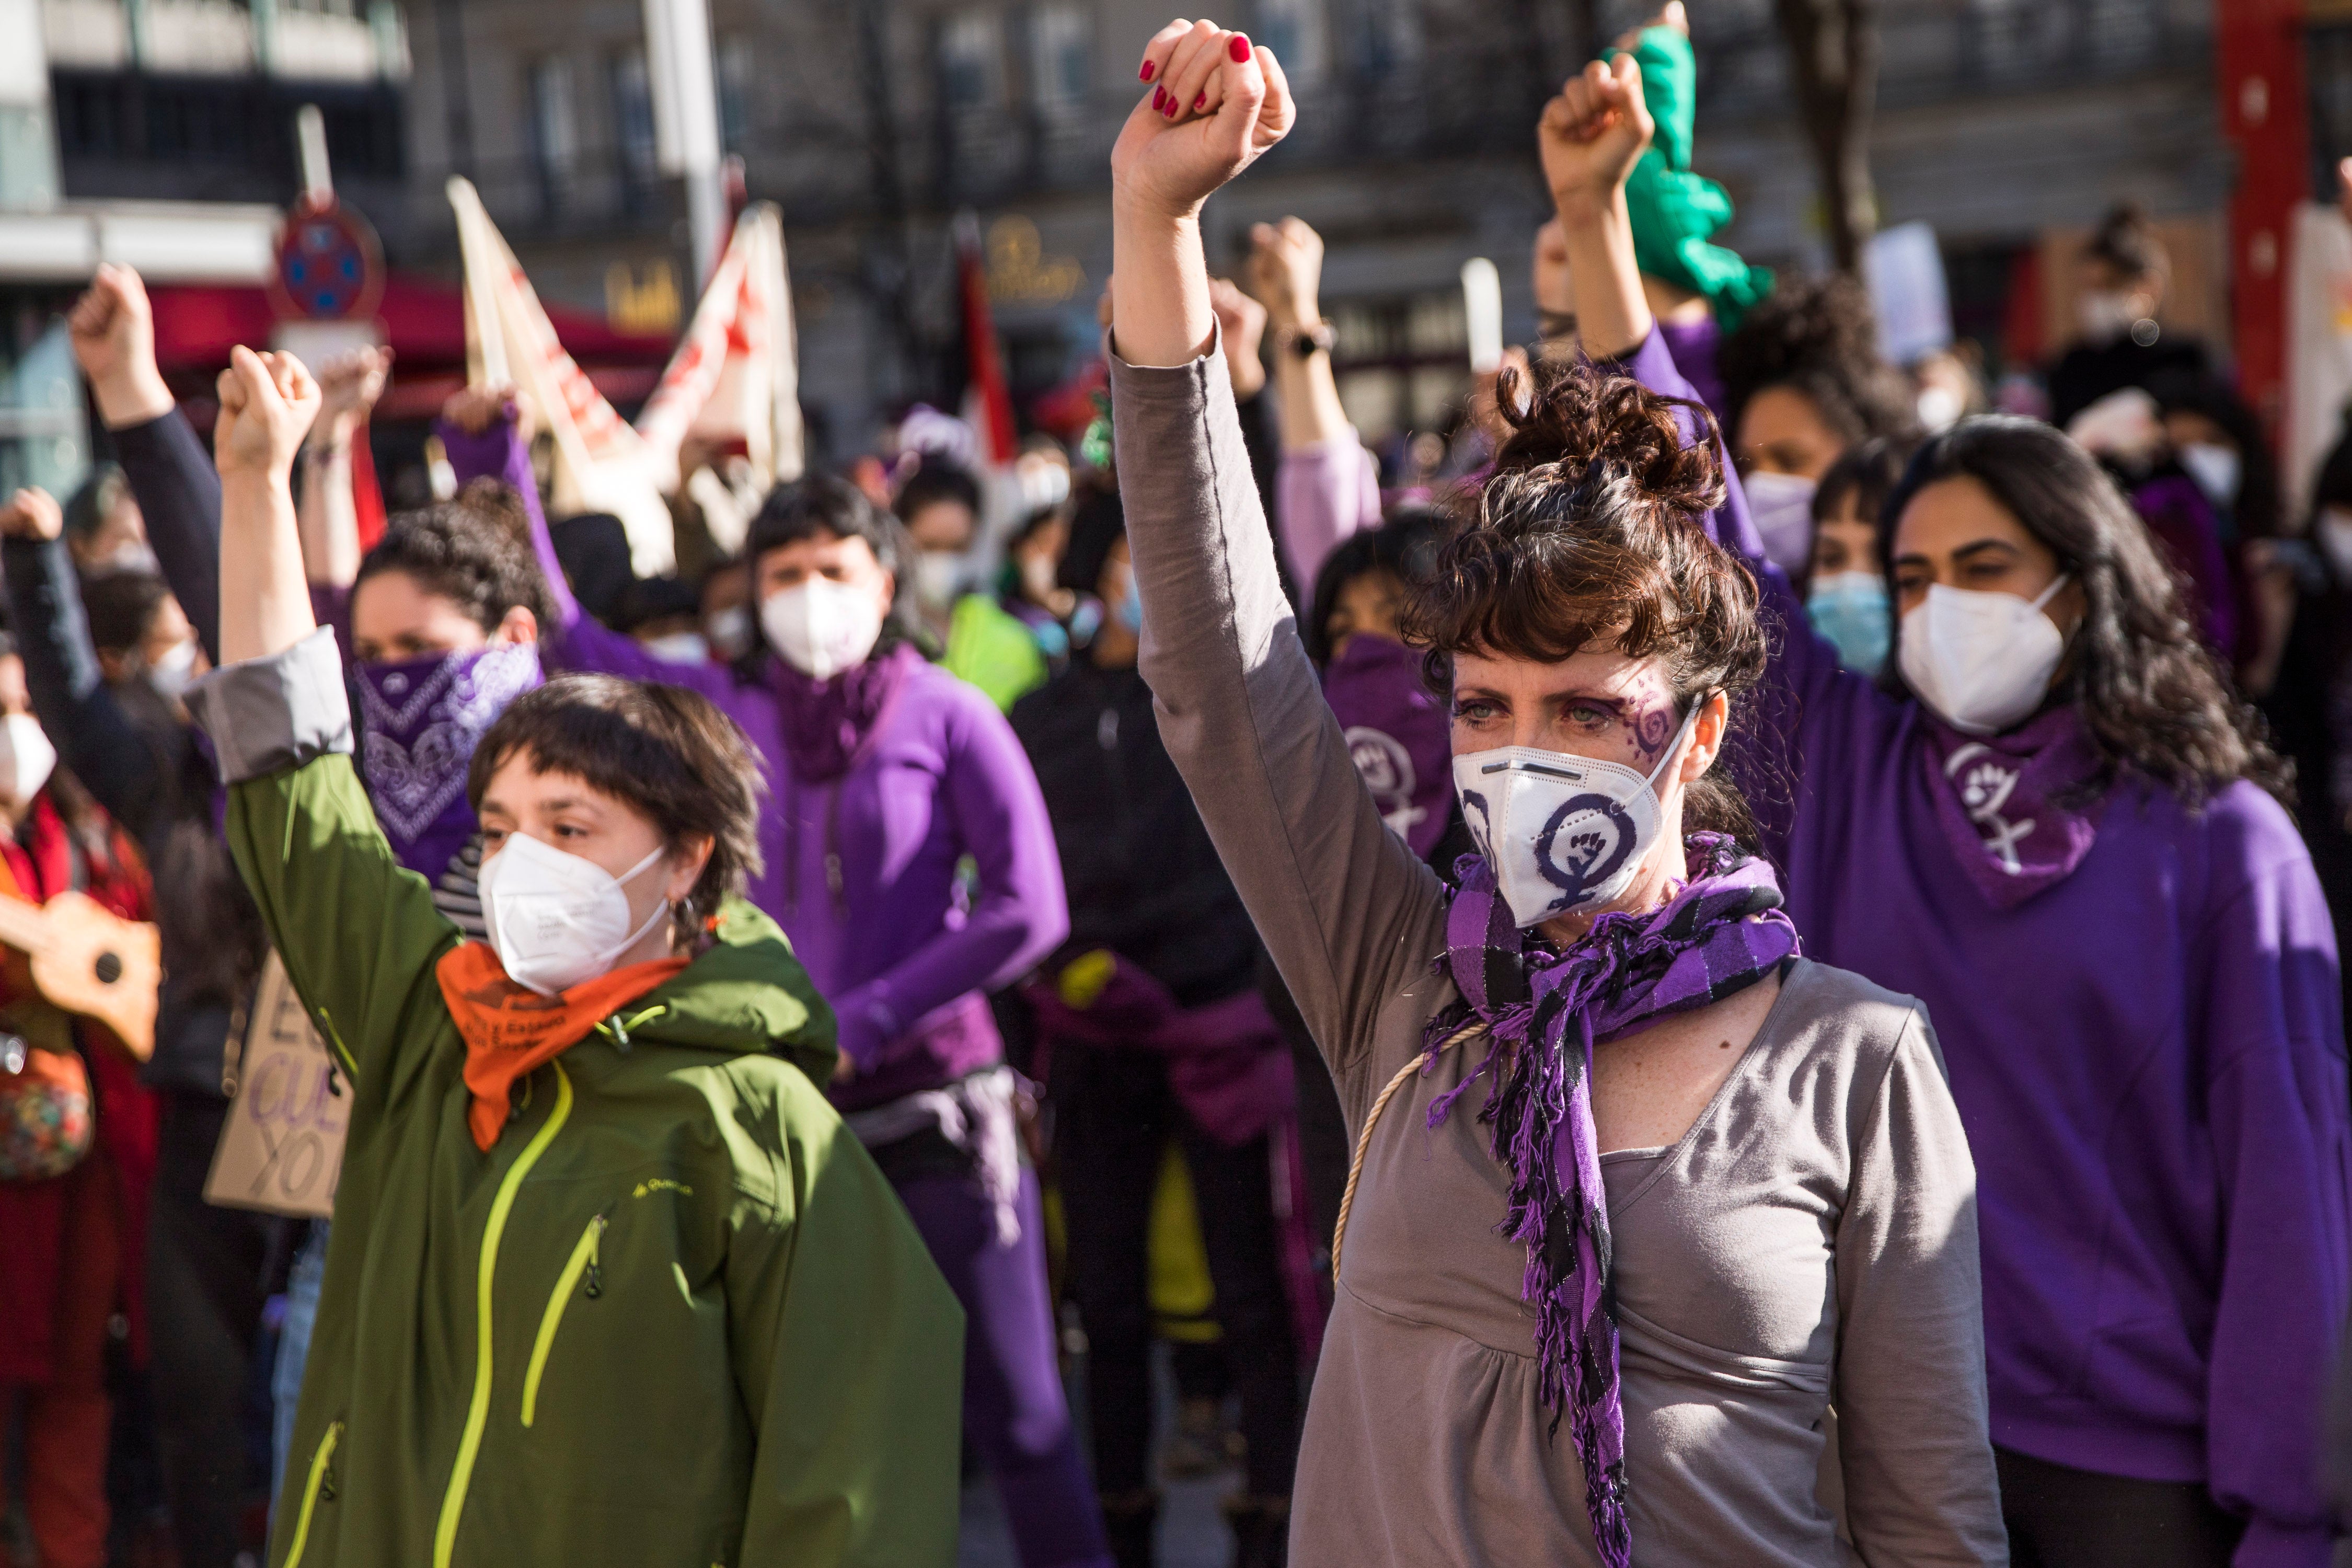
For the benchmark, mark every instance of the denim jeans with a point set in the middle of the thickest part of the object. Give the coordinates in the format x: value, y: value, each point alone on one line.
x: 293, y: 1350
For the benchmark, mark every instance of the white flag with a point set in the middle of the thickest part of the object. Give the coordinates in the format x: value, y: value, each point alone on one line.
x: 735, y: 375
x: 601, y: 463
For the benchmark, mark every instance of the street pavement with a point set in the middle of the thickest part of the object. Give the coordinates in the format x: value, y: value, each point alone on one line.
x: 1193, y: 1532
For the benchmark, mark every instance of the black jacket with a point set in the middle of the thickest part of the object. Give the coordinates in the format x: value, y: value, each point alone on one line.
x: 1143, y: 879
x: 137, y: 758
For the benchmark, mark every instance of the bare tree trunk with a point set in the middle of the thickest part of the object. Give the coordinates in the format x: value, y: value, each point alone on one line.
x: 1833, y: 57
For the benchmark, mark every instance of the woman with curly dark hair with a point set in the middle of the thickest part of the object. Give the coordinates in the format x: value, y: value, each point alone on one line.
x: 2056, y: 825
x: 1598, y: 1311
x: 1803, y: 382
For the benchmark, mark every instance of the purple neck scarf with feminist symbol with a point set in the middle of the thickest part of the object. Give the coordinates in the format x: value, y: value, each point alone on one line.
x: 1398, y: 733
x: 2011, y: 805
x: 1545, y: 1011
x: 422, y: 719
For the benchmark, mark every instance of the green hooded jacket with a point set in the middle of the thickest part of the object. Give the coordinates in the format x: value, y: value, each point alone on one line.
x: 674, y: 1316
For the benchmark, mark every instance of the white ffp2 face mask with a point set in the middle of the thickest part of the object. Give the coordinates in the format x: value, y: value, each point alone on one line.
x: 1563, y: 834
x: 821, y: 627
x: 172, y: 674
x: 1981, y: 660
x: 556, y: 919
x: 27, y: 758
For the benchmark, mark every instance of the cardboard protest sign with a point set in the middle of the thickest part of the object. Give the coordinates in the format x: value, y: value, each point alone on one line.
x: 281, y: 1150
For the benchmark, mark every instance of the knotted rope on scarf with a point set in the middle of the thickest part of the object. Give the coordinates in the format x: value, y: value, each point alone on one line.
x: 1543, y: 1011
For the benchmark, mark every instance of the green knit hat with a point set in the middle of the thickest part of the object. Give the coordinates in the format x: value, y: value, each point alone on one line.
x: 1675, y: 211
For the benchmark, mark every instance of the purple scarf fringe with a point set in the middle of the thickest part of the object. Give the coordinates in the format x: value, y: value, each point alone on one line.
x: 1545, y: 1011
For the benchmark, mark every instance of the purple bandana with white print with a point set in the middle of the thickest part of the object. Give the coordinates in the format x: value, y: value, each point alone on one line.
x: 422, y: 719
x: 1544, y: 1011
x: 2009, y: 804
x: 1399, y: 734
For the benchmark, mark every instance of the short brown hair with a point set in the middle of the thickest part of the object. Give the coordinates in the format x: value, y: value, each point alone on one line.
x: 666, y: 752
x: 1589, y: 533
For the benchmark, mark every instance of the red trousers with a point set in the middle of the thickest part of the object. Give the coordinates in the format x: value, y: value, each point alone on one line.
x: 66, y: 1419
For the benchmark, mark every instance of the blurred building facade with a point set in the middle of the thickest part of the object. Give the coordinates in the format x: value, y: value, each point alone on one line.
x: 161, y: 133
x: 2008, y: 124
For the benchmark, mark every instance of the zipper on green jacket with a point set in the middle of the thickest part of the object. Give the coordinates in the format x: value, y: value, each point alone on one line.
x: 317, y: 1487
x: 582, y: 1261
x: 478, y: 1415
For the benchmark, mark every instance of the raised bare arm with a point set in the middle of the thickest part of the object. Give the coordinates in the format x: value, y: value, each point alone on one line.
x: 267, y: 404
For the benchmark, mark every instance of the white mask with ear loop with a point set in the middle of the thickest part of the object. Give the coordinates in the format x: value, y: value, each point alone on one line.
x: 1981, y: 660
x: 27, y: 758
x: 821, y: 627
x: 1562, y: 834
x: 555, y: 919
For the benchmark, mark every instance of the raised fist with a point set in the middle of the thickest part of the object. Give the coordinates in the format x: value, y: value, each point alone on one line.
x: 32, y: 514
x: 1217, y: 103
x: 112, y: 327
x: 1287, y: 269
x: 475, y: 409
x: 1591, y: 135
x: 267, y: 404
x: 349, y: 384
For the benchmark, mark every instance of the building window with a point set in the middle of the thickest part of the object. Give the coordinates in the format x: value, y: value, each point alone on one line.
x: 1389, y: 36
x: 554, y: 126
x: 735, y: 92
x: 972, y: 63
x: 632, y: 115
x: 1061, y: 45
x: 1295, y: 31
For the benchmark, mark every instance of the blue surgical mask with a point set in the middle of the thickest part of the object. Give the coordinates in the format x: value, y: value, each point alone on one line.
x: 1850, y: 609
x: 1130, y: 606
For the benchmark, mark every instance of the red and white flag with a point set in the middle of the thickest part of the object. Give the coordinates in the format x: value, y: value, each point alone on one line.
x: 735, y: 376
x: 602, y: 464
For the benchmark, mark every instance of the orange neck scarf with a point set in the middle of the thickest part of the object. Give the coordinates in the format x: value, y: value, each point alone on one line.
x: 510, y: 1029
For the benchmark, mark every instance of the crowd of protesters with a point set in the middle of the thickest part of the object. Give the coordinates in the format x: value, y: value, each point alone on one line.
x: 1737, y: 964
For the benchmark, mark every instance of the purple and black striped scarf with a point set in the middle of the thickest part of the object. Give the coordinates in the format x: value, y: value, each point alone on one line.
x: 1545, y: 1011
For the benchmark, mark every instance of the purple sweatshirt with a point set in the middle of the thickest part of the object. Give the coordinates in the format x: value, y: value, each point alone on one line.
x: 1325, y: 494
x: 2148, y: 1058
x: 902, y: 956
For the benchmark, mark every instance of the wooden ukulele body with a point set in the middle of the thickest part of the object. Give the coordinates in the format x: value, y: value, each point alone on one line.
x: 89, y: 961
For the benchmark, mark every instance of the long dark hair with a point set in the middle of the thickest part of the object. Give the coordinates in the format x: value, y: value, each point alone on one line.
x: 1589, y: 530
x: 2151, y: 697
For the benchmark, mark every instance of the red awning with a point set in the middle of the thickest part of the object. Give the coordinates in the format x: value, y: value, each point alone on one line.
x: 422, y: 319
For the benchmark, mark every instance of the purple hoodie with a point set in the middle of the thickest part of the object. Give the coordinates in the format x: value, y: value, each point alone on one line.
x: 2148, y: 1058
x: 904, y: 958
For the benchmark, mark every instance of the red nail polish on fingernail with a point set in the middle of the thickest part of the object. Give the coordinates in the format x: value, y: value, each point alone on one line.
x: 1145, y: 74
x: 1239, y: 49
x: 1158, y: 99
x: 1200, y: 103
x: 1171, y: 109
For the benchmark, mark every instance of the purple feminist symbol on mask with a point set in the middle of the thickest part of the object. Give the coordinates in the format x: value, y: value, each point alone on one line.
x: 1479, y: 817
x: 1582, y: 846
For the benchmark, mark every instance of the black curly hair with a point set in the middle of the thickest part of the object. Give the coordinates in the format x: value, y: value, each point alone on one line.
x: 2152, y: 698
x: 1590, y: 532
x: 474, y: 551
x: 1819, y: 337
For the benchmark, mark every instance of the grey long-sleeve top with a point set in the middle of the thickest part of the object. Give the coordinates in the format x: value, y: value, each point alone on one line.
x: 1810, y: 1241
